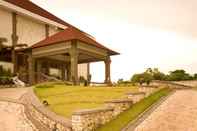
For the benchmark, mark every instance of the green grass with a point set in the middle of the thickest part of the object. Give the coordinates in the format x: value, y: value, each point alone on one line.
x: 64, y: 100
x: 124, y: 118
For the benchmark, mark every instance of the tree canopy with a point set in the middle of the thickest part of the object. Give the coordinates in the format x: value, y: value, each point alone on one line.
x: 154, y: 74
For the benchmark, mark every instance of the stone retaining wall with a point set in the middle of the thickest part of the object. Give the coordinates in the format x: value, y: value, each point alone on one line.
x: 44, y: 116
x: 171, y: 84
x: 136, y: 97
x: 147, y: 90
x: 84, y: 120
x: 47, y: 121
x: 88, y: 120
x: 119, y: 105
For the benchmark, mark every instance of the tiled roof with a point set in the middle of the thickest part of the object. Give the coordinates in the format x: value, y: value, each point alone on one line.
x: 71, y: 34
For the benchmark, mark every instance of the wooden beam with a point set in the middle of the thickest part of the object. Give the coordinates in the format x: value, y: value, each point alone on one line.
x: 46, y: 30
x: 92, y: 49
x: 93, y: 55
x: 14, y: 40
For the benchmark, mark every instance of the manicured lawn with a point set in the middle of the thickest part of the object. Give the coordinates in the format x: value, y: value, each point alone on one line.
x: 123, y: 119
x: 64, y: 100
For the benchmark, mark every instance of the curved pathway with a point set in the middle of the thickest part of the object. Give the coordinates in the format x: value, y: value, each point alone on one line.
x: 12, y: 113
x: 177, y: 113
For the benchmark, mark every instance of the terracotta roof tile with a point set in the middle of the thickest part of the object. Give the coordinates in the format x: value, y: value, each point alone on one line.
x: 71, y: 34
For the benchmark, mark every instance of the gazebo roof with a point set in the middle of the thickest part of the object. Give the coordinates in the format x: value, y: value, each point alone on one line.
x: 71, y: 34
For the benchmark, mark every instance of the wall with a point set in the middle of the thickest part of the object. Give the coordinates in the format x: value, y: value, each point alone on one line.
x: 83, y: 70
x: 192, y: 83
x: 6, y: 25
x: 29, y: 31
x: 88, y: 120
x: 53, y: 30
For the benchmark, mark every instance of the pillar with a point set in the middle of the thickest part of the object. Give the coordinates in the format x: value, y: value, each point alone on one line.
x: 31, y: 69
x: 107, y: 70
x: 47, y: 72
x: 39, y: 70
x: 63, y: 72
x: 74, y: 62
x: 68, y: 72
x: 14, y: 41
x: 88, y: 70
x: 46, y: 30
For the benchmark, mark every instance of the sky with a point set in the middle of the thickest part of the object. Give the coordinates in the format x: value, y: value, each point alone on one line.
x: 148, y: 33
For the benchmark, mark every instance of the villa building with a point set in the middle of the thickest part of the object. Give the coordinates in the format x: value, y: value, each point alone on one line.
x: 34, y: 42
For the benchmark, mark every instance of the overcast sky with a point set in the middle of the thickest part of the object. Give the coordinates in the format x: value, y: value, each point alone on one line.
x: 147, y: 33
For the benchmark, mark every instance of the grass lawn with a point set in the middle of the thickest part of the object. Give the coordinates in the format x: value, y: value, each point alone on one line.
x: 123, y: 119
x: 64, y: 100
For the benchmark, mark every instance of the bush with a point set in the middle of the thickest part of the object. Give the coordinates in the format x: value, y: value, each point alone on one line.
x: 5, y: 72
x: 6, y: 80
x: 142, y: 78
x: 45, y: 86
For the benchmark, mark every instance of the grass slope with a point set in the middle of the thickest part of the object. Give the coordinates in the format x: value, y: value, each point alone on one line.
x: 124, y: 118
x: 64, y: 100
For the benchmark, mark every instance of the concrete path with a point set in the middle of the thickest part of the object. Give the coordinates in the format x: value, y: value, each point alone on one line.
x: 177, y: 113
x: 12, y: 114
x: 12, y: 93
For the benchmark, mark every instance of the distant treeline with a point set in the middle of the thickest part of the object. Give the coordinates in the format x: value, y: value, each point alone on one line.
x: 154, y: 74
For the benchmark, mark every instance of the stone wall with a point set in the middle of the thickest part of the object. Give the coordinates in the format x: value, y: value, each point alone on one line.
x: 136, y: 97
x: 89, y: 120
x: 171, y: 84
x: 44, y: 116
x: 148, y: 89
x: 119, y: 105
x: 44, y: 119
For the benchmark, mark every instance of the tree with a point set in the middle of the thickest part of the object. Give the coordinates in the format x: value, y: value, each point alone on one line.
x: 179, y: 75
x: 142, y: 78
x: 120, y: 81
x: 157, y: 75
x: 195, y: 76
x: 147, y: 78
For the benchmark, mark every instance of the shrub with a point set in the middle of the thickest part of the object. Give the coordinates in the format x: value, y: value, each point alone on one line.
x: 45, y: 86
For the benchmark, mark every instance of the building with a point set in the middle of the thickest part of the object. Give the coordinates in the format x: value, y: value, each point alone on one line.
x: 34, y: 42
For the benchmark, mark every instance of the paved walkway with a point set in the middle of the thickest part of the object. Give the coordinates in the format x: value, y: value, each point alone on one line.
x: 12, y: 93
x: 177, y: 113
x: 12, y: 114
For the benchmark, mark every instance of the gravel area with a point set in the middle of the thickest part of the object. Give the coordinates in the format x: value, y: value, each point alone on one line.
x: 177, y: 113
x: 13, y: 118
